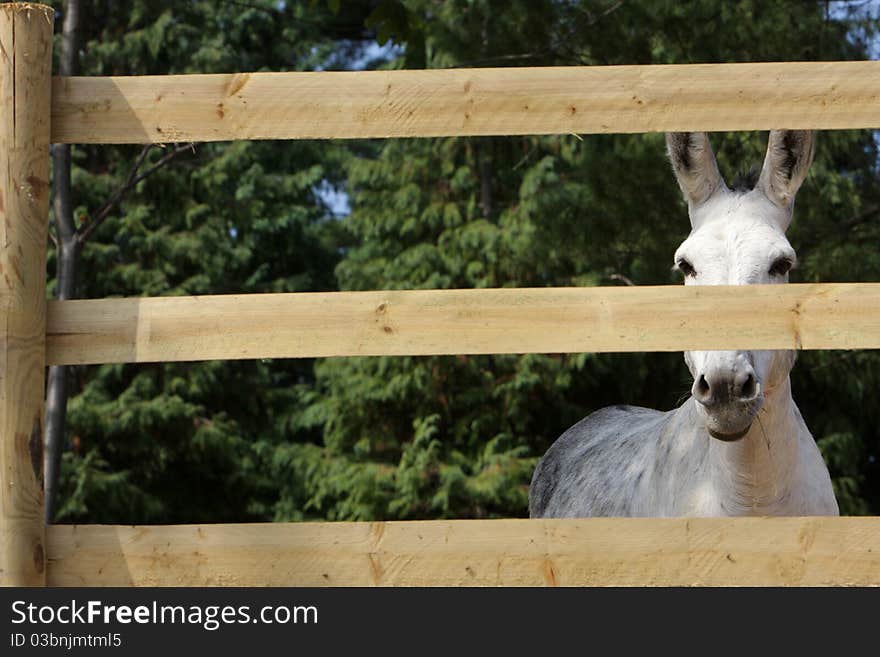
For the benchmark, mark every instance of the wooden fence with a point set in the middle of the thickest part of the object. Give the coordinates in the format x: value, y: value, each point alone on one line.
x: 37, y: 110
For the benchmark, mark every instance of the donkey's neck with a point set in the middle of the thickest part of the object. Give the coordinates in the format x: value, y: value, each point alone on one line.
x: 756, y: 474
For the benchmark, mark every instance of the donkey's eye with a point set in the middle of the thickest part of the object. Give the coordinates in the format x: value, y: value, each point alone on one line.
x: 686, y: 267
x: 781, y: 267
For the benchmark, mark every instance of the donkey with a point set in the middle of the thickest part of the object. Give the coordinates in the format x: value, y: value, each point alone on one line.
x: 738, y: 446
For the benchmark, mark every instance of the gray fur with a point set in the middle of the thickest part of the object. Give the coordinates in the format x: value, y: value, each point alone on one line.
x: 631, y: 461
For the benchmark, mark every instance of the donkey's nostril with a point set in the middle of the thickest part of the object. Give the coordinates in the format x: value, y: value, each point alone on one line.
x: 748, y: 389
x: 702, y: 389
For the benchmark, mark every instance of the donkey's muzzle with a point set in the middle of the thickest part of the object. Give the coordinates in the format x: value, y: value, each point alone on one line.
x: 730, y: 399
x: 741, y: 388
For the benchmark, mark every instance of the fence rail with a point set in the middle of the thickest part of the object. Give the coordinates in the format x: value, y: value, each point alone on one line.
x: 466, y: 102
x: 489, y: 321
x: 594, y: 552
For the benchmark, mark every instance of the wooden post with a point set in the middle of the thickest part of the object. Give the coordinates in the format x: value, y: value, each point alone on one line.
x: 25, y: 87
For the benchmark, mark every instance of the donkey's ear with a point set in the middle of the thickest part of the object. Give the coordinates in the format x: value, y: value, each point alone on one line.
x: 694, y: 165
x: 789, y: 155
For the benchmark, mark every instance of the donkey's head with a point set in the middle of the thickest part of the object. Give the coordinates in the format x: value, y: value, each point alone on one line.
x: 737, y: 238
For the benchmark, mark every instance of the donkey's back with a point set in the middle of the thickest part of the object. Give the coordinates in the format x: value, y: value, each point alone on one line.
x: 602, y: 466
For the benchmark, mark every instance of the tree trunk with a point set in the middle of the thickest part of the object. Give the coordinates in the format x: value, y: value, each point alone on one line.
x: 65, y: 272
x: 485, y: 155
x: 56, y: 386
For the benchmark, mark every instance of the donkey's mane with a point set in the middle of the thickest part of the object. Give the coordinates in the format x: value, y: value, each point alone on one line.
x: 745, y: 181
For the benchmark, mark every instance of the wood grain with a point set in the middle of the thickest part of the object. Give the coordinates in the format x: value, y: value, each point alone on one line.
x: 25, y: 70
x: 487, y: 321
x: 591, y: 552
x: 462, y: 102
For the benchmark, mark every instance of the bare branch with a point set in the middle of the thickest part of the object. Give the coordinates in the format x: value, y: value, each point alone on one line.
x: 843, y: 230
x: 867, y: 214
x: 247, y: 5
x: 610, y: 10
x: 134, y: 177
x: 501, y: 58
x: 165, y: 159
x: 138, y: 162
x: 555, y: 51
x: 623, y: 279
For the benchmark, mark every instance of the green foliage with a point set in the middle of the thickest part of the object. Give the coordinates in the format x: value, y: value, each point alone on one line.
x: 452, y: 436
x: 179, y: 440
